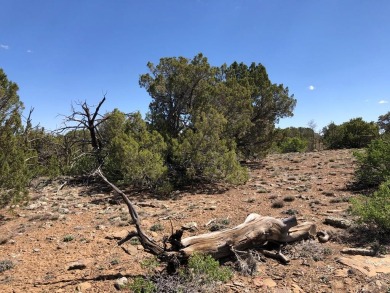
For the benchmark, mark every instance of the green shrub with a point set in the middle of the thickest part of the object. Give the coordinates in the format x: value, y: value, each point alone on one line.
x: 68, y: 238
x: 203, y: 153
x: 15, y: 157
x: 6, y: 265
x: 156, y: 227
x: 150, y: 264
x: 201, y: 274
x: 142, y: 285
x: 374, y: 209
x: 373, y: 163
x: 293, y: 145
x: 356, y: 133
x: 207, y: 267
x: 136, y: 155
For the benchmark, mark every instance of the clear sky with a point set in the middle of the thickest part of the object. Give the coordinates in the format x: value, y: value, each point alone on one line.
x: 334, y: 55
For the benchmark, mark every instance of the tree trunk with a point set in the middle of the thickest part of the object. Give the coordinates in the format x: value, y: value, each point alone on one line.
x: 254, y: 232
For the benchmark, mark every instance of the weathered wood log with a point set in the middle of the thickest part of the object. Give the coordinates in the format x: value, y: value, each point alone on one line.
x: 358, y: 251
x: 338, y: 222
x: 254, y: 232
x: 323, y: 236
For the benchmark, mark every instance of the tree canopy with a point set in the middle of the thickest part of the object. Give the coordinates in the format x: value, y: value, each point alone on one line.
x: 13, y: 153
x: 356, y: 133
x: 182, y: 88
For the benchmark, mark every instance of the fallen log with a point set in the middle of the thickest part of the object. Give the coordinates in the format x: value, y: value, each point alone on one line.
x: 254, y: 232
x: 359, y: 251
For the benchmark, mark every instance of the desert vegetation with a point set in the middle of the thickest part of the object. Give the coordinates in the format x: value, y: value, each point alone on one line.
x: 206, y: 129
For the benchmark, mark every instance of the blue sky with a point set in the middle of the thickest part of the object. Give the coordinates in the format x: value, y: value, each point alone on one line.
x: 334, y: 55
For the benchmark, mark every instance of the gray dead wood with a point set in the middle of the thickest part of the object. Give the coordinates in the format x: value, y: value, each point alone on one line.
x: 358, y: 251
x: 254, y: 232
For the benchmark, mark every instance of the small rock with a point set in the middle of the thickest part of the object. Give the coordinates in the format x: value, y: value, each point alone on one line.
x: 210, y: 208
x: 118, y: 235
x: 296, y: 289
x: 258, y: 282
x: 129, y: 249
x: 269, y: 283
x: 191, y: 226
x: 33, y: 206
x: 154, y: 234
x: 115, y: 220
x: 120, y: 283
x: 76, y: 266
x: 238, y: 284
x: 63, y: 211
x: 338, y: 222
x: 82, y: 287
x: 328, y: 193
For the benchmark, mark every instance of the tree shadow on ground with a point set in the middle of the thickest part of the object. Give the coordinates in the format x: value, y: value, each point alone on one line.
x: 76, y: 281
x: 362, y: 236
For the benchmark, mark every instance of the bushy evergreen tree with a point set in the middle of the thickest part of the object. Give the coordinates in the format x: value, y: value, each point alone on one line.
x: 135, y: 155
x: 14, y: 156
x: 355, y: 133
x: 202, y: 152
x: 373, y: 163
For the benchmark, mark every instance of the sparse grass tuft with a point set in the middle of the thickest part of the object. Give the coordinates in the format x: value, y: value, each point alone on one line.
x: 157, y: 227
x: 135, y: 241
x: 308, y: 250
x: 68, y: 238
x: 289, y: 198
x: 6, y: 265
x: 278, y: 204
x: 142, y: 285
x: 202, y: 274
x: 219, y: 224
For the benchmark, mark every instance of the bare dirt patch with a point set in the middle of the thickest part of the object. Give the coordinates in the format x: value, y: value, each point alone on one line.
x: 65, y: 239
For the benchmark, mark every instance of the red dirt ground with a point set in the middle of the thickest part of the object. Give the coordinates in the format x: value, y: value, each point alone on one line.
x: 76, y: 225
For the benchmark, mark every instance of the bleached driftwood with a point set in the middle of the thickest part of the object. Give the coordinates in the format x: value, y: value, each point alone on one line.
x: 254, y: 232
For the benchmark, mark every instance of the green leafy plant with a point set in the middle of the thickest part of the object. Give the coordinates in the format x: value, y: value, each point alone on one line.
x: 142, y: 285
x: 114, y: 262
x: 150, y: 263
x: 293, y: 144
x: 208, y: 268
x: 5, y: 265
x: 199, y: 275
x: 356, y: 133
x: 373, y: 163
x: 68, y: 238
x: 219, y: 224
x: 374, y: 209
x: 156, y: 227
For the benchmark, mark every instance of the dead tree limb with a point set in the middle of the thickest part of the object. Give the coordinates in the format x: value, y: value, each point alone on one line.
x: 254, y: 232
x: 149, y: 244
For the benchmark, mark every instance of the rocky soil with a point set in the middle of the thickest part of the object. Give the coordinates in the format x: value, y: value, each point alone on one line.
x: 65, y: 238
